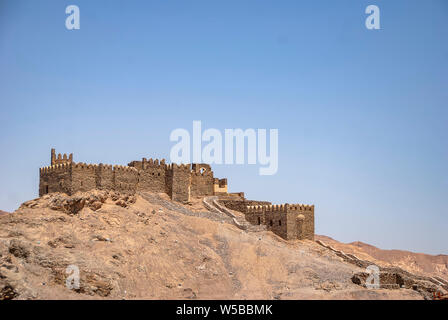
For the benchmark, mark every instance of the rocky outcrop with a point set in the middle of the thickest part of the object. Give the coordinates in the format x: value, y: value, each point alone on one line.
x: 393, y: 277
x: 73, y: 204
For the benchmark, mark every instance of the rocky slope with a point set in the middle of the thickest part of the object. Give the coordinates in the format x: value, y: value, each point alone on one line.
x: 418, y: 263
x: 147, y: 247
x: 3, y: 213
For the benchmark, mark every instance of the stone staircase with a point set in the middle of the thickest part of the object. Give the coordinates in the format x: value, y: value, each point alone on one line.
x: 238, y: 219
x: 173, y: 206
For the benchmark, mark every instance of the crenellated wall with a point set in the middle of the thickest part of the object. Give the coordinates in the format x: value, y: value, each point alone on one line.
x: 179, y: 181
x: 289, y: 221
x: 126, y: 179
x: 83, y: 177
x: 105, y: 177
x: 60, y: 159
x: 55, y: 178
x: 152, y: 175
x: 202, y: 181
x: 241, y: 205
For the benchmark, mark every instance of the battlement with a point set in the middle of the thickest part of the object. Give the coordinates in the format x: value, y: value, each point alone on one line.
x: 279, y: 208
x: 106, y: 166
x: 301, y: 207
x: 56, y: 167
x: 180, y: 181
x: 84, y: 166
x: 124, y: 168
x: 59, y: 158
x: 185, y: 167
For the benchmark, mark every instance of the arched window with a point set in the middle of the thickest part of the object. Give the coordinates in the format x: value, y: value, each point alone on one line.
x: 279, y: 222
x: 259, y: 220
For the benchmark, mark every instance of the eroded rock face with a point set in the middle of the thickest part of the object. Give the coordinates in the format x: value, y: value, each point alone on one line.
x: 7, y: 292
x: 19, y: 249
x: 75, y: 203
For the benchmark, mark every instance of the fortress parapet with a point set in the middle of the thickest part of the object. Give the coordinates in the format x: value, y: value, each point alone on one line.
x: 179, y: 181
x: 289, y: 221
x: 60, y: 159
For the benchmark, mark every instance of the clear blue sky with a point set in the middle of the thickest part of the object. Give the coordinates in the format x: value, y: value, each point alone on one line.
x: 362, y: 115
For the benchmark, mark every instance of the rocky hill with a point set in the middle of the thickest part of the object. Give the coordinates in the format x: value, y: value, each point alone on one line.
x: 418, y: 263
x: 148, y: 247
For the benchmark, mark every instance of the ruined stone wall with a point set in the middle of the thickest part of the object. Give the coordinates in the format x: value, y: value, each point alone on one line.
x: 152, y: 175
x: 83, y: 177
x: 308, y: 224
x: 125, y: 179
x: 60, y: 159
x: 255, y: 216
x: 56, y: 178
x: 169, y: 179
x: 290, y: 222
x: 181, y: 183
x: 241, y: 205
x: 276, y: 220
x: 202, y: 184
x: 202, y: 181
x: 105, y: 177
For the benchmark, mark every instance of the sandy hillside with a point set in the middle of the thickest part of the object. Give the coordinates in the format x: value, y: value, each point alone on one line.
x: 147, y: 247
x: 419, y: 263
x: 2, y: 213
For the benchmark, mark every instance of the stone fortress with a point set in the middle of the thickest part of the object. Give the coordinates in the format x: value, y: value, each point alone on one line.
x: 180, y: 182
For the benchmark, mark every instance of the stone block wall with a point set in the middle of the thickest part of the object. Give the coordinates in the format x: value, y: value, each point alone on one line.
x: 241, y: 204
x: 202, y: 181
x: 105, y: 177
x: 290, y: 222
x: 275, y: 217
x: 60, y: 159
x: 152, y: 175
x: 181, y: 183
x: 126, y: 179
x: 307, y: 211
x: 83, y: 177
x: 56, y: 178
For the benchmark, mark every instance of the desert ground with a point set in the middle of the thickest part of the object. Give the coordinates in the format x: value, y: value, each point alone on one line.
x: 148, y: 247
